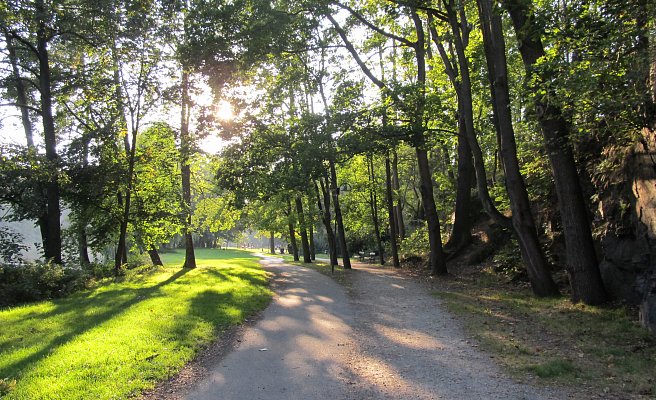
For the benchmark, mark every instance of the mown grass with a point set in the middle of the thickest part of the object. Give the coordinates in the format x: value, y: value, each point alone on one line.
x: 206, y: 257
x: 121, y: 338
x: 321, y: 265
x: 600, y: 349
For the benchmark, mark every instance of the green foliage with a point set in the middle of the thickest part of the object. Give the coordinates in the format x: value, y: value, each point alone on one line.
x: 40, y: 280
x: 23, y: 176
x: 157, y: 198
x: 416, y: 244
x: 356, y: 202
x: 11, y: 246
x: 507, y: 260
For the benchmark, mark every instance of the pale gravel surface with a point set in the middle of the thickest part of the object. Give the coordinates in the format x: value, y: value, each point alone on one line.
x: 386, y: 337
x: 410, y: 347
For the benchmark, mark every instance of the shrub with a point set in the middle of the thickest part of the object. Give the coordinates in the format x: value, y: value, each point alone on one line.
x: 416, y: 245
x: 508, y: 261
x: 10, y: 245
x: 33, y: 281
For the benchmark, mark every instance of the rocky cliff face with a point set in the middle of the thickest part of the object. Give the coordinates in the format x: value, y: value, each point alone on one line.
x: 628, y: 236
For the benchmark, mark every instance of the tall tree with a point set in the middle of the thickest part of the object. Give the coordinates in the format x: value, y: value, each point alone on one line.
x: 305, y: 244
x: 373, y: 205
x: 391, y: 212
x: 185, y: 168
x: 22, y: 98
x: 416, y: 111
x: 582, y: 264
x: 522, y: 218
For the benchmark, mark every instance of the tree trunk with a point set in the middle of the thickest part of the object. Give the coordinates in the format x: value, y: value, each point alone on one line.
x: 326, y: 219
x: 390, y: 212
x: 341, y: 235
x: 398, y: 209
x: 154, y: 256
x: 465, y: 108
x: 21, y: 92
x: 272, y: 243
x: 582, y: 263
x: 313, y: 250
x: 292, y: 232
x: 121, y: 255
x: 121, y: 252
x: 437, y: 260
x: 53, y: 250
x: 185, y: 170
x: 373, y: 206
x: 305, y: 244
x: 43, y: 228
x: 462, y: 225
x: 522, y: 218
x: 82, y: 246
x: 28, y: 128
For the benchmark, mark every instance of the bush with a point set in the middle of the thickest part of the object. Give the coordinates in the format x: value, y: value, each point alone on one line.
x: 39, y: 280
x: 508, y: 261
x: 10, y: 246
x: 416, y: 245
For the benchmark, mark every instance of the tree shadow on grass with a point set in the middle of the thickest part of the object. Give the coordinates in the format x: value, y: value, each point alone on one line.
x: 114, y: 302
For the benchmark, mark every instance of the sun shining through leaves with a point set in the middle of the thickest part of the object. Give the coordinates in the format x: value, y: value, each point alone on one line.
x: 224, y: 111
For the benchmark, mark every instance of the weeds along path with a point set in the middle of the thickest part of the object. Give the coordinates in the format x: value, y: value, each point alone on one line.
x: 386, y: 337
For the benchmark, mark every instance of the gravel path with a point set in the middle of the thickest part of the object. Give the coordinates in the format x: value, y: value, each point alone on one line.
x: 297, y: 350
x: 387, y: 338
x: 410, y: 347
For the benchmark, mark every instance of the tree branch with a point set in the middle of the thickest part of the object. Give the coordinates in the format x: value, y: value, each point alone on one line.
x: 436, y: 13
x: 354, y: 52
x: 29, y: 45
x: 374, y: 27
x: 310, y: 49
x: 21, y: 106
x: 449, y: 67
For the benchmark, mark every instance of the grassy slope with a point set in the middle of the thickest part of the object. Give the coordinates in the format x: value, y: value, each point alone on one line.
x: 591, y: 348
x: 123, y: 337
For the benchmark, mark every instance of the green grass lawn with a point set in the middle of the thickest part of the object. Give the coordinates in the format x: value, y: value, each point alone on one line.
x: 123, y: 337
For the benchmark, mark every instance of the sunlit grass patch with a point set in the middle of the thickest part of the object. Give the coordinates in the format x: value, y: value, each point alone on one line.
x: 206, y: 256
x: 122, y: 338
x: 557, y: 341
x: 554, y: 368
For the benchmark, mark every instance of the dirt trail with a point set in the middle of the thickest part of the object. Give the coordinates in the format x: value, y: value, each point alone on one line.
x: 386, y: 337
